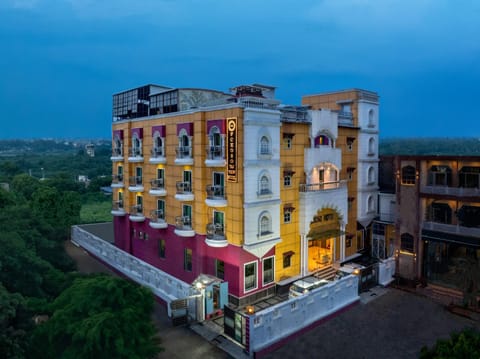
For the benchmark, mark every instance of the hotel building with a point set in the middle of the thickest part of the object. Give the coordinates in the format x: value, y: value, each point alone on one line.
x: 241, y: 187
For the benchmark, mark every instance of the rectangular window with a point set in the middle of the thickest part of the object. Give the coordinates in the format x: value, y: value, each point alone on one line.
x: 187, y: 260
x: 187, y: 215
x: 287, y: 181
x: 161, y: 248
x: 219, y: 269
x: 268, y: 270
x: 160, y: 209
x: 287, y: 260
x: 138, y: 175
x: 287, y: 142
x: 287, y: 216
x: 250, y: 278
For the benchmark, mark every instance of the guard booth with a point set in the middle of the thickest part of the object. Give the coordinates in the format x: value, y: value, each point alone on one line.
x: 215, y: 295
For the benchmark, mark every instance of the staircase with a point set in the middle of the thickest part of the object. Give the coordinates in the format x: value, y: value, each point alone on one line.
x: 327, y: 273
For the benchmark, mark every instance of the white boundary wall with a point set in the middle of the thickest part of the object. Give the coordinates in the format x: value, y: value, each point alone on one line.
x: 284, y: 319
x: 162, y: 284
x: 386, y: 271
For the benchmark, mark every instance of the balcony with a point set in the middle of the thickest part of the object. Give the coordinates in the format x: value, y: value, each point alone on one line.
x: 183, y: 226
x: 345, y: 118
x: 216, y: 235
x: 136, y: 213
x: 117, y: 181
x: 326, y: 186
x: 452, y: 228
x: 184, y: 155
x: 157, y: 187
x: 451, y: 191
x: 215, y: 196
x: 117, y: 154
x: 184, y: 191
x: 117, y: 209
x: 135, y: 184
x: 158, y: 155
x: 215, y: 156
x: 157, y: 219
x: 135, y: 155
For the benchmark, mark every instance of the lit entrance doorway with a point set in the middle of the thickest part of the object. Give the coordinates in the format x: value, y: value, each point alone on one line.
x: 323, y: 238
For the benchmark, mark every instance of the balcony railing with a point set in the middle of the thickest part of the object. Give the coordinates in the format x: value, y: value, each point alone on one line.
x: 184, y: 187
x: 184, y: 151
x: 117, y: 152
x: 158, y: 152
x: 135, y: 152
x: 315, y: 187
x: 157, y: 215
x: 117, y: 205
x: 117, y: 178
x: 215, y: 192
x: 183, y: 223
x: 451, y: 228
x: 215, y: 231
x: 215, y: 152
x: 135, y: 180
x: 452, y: 191
x: 136, y: 209
x: 157, y: 183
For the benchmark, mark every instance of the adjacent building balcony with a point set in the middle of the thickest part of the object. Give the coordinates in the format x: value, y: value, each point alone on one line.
x: 215, y: 196
x: 117, y: 154
x: 184, y: 155
x: 452, y: 229
x: 451, y: 191
x: 135, y: 155
x: 135, y: 184
x: 157, y: 187
x: 216, y: 235
x: 325, y: 186
x: 136, y: 213
x: 183, y: 226
x: 117, y: 181
x: 184, y: 191
x: 158, y: 155
x: 157, y: 219
x: 117, y: 208
x: 345, y: 118
x: 215, y: 156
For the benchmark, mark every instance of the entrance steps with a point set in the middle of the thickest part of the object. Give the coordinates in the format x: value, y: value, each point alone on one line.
x: 327, y: 273
x: 444, y: 295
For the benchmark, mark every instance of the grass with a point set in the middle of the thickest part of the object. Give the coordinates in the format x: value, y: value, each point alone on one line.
x: 95, y: 212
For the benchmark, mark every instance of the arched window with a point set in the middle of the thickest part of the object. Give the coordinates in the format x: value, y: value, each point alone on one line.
x: 408, y: 175
x: 118, y: 146
x: 184, y: 144
x: 371, y: 146
x: 371, y: 118
x: 370, y: 204
x: 406, y: 242
x: 264, y: 184
x: 136, y: 145
x: 157, y: 144
x: 371, y: 175
x: 265, y: 224
x: 265, y: 146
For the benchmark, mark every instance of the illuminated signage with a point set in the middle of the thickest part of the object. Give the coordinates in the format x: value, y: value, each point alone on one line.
x: 232, y: 149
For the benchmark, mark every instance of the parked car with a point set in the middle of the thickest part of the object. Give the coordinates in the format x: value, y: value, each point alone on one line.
x: 305, y: 285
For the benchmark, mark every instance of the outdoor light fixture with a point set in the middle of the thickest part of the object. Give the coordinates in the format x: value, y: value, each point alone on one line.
x: 250, y: 309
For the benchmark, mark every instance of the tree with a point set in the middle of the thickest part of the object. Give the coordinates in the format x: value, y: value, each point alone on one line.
x: 15, y: 323
x: 25, y: 185
x: 465, y: 344
x: 98, y: 317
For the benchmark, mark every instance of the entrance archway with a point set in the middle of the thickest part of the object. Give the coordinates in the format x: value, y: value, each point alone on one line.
x: 323, y: 239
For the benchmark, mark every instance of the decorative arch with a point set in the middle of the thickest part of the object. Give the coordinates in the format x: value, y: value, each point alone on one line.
x: 371, y: 175
x: 370, y: 204
x: 264, y: 224
x: 371, y: 146
x: 371, y: 118
x: 264, y: 183
x: 324, y: 138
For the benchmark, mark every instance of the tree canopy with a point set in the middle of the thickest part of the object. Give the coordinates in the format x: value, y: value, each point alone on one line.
x: 465, y: 344
x: 99, y: 317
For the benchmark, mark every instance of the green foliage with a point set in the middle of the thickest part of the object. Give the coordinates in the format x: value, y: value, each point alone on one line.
x: 96, y: 212
x: 15, y: 323
x: 98, y: 317
x: 25, y: 185
x: 465, y: 344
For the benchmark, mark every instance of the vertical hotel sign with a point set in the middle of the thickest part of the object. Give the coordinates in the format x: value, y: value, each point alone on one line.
x: 232, y: 149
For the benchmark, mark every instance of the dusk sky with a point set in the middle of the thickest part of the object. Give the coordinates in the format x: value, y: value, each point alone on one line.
x: 63, y: 59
